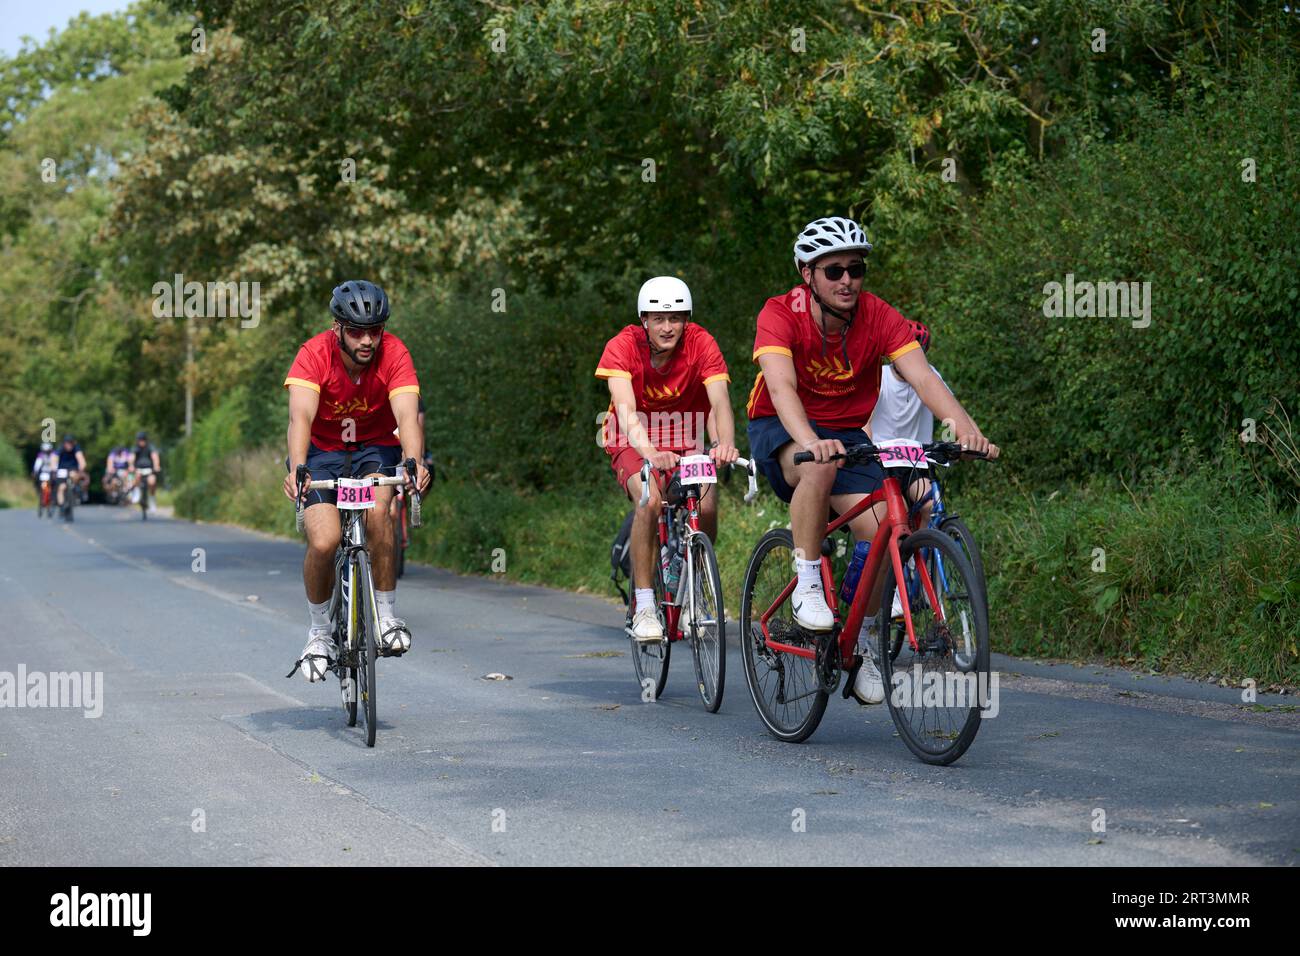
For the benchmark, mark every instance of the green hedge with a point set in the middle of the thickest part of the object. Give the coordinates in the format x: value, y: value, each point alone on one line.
x: 1079, y: 397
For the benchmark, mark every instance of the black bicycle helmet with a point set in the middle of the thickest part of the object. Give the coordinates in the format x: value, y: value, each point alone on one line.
x: 357, y: 302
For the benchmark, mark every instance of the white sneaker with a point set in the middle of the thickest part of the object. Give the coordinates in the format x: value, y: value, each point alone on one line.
x: 868, y: 687
x: 320, y: 647
x: 394, y: 637
x: 810, y: 610
x: 646, y: 627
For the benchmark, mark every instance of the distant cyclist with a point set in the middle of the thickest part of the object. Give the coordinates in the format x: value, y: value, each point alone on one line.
x: 349, y: 388
x: 70, y: 457
x: 666, y: 376
x: 145, y: 455
x: 47, y: 459
x: 116, y: 467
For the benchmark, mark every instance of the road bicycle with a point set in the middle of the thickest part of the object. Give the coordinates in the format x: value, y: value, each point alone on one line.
x: 687, y: 585
x: 65, y: 478
x: 45, y: 494
x: 140, y: 490
x: 353, y: 614
x: 938, y: 683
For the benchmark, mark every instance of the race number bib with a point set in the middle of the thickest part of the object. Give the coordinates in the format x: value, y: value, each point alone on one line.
x: 45, y: 476
x: 698, y: 470
x: 902, y: 453
x: 356, y: 494
x: 61, y: 473
x: 144, y: 472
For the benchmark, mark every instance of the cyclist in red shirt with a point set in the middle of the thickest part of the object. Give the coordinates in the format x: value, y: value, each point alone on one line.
x: 349, y: 388
x: 666, y: 376
x: 819, y: 348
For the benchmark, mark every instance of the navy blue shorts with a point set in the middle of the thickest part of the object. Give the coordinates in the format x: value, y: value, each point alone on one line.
x: 366, y: 460
x: 767, y: 435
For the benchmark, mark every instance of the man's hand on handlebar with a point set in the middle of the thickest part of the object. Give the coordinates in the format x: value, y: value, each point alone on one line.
x: 663, y: 460
x: 291, y: 485
x: 975, y: 444
x: 422, y: 478
x: 724, y: 454
x: 823, y: 448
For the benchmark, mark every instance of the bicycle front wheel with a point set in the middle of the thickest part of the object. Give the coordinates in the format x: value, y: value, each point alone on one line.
x: 650, y: 661
x: 786, y: 688
x: 936, y: 690
x: 368, y: 618
x: 707, y: 626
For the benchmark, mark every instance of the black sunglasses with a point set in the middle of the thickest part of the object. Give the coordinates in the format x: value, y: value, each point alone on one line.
x: 356, y: 331
x: 835, y: 273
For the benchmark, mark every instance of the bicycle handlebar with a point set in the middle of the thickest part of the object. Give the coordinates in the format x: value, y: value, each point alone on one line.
x: 331, y: 484
x: 939, y: 452
x: 750, y: 470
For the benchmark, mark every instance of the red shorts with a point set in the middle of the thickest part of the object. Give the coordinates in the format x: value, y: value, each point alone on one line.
x: 627, y: 462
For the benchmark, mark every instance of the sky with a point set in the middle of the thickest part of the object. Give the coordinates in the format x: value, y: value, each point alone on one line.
x: 35, y: 17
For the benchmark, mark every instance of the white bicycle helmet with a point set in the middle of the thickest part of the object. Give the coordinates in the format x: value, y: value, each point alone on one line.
x: 824, y: 236
x: 663, y: 294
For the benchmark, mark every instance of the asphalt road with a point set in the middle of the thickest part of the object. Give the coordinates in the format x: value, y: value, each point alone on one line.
x: 205, y: 754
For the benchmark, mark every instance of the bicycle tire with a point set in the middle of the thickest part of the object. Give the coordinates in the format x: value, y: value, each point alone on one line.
x: 650, y: 661
x: 954, y: 527
x: 771, y: 570
x: 337, y: 613
x: 962, y: 605
x: 709, y: 653
x: 368, y: 618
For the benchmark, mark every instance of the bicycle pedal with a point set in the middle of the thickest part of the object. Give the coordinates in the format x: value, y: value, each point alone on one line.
x: 847, y: 692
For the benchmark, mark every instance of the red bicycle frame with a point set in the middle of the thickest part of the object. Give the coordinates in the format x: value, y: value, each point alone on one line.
x: 893, y: 529
x: 691, y: 501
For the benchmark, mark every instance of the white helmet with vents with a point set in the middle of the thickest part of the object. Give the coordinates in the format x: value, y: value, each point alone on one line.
x: 832, y: 234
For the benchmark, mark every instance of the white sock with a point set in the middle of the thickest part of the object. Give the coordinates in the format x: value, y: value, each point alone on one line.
x: 320, y: 613
x: 386, y: 603
x: 645, y: 597
x: 810, y: 572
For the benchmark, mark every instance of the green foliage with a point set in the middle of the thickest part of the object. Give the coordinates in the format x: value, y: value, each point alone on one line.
x: 11, y: 461
x: 1082, y: 396
x: 1195, y: 576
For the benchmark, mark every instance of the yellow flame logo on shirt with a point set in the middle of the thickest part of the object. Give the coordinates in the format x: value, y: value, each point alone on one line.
x: 831, y: 370
x: 664, y: 394
x: 340, y: 409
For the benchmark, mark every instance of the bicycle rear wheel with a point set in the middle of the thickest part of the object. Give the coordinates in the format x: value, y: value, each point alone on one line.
x: 708, y: 624
x: 935, y: 690
x: 368, y: 619
x: 650, y: 661
x: 786, y: 689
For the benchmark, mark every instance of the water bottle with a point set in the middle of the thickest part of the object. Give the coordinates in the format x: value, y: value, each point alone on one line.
x: 674, y: 574
x: 854, y: 572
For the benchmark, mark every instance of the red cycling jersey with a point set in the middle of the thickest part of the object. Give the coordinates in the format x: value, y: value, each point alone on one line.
x: 834, y: 395
x: 364, y: 401
x: 674, y: 400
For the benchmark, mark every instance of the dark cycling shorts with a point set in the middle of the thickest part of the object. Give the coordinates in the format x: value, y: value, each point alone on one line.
x: 366, y: 460
x: 767, y: 435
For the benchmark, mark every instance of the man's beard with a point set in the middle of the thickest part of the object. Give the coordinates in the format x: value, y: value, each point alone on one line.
x: 351, y: 353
